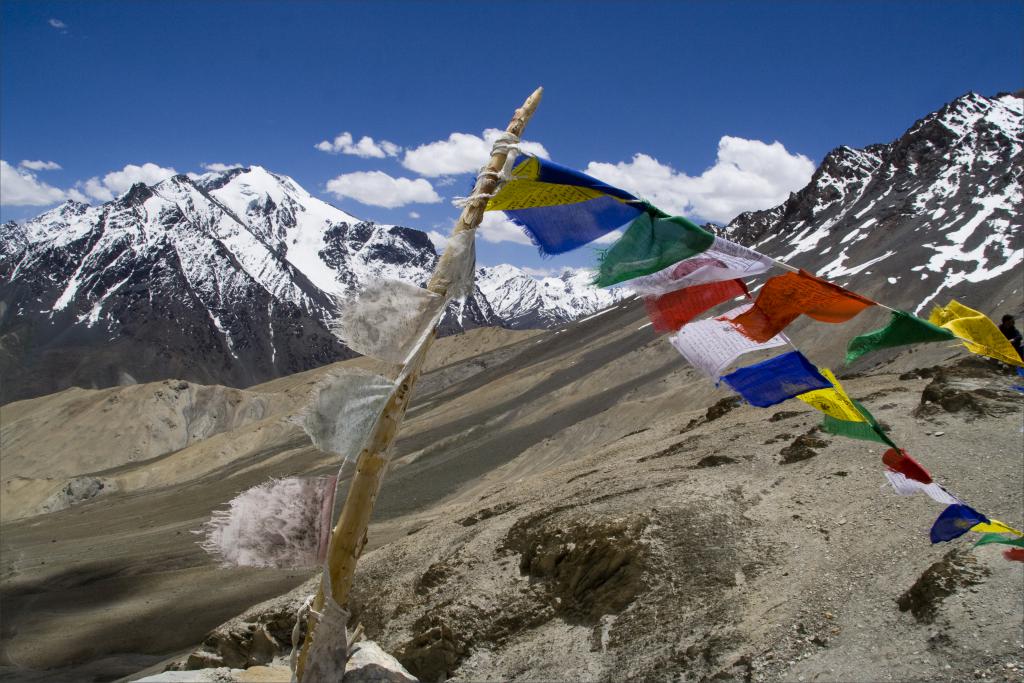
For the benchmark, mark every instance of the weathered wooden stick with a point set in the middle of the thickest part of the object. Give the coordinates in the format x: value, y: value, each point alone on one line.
x: 349, y: 536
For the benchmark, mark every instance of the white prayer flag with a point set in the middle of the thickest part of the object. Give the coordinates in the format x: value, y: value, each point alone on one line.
x: 282, y: 523
x: 723, y: 260
x: 711, y: 345
x: 904, y: 486
x: 388, y: 319
x: 343, y: 410
x: 461, y: 266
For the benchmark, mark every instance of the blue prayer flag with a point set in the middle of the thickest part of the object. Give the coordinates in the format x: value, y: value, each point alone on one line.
x: 561, y: 209
x: 955, y: 521
x: 776, y: 379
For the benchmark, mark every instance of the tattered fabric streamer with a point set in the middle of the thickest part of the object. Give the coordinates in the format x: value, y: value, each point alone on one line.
x: 328, y: 654
x: 459, y: 278
x: 343, y: 410
x: 387, y: 319
x: 283, y: 523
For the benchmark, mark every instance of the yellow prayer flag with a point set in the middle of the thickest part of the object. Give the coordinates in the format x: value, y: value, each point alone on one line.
x: 833, y: 401
x: 979, y: 334
x: 994, y: 526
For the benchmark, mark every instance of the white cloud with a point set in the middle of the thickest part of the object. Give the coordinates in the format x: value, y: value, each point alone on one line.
x: 376, y: 188
x: 40, y: 165
x: 497, y: 228
x: 57, y: 24
x: 460, y: 153
x: 217, y: 167
x: 366, y: 147
x: 439, y: 239
x: 747, y: 175
x: 117, y: 182
x: 22, y: 188
x: 414, y: 215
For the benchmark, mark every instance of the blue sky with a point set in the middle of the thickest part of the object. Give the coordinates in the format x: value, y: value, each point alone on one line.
x: 701, y: 91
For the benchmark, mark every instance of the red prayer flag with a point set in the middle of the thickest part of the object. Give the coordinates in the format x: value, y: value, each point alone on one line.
x: 1014, y: 554
x: 671, y: 311
x: 785, y: 297
x: 899, y: 461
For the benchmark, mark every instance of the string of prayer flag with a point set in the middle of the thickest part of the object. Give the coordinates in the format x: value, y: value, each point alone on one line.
x: 776, y: 380
x: 671, y: 311
x: 903, y: 328
x: 682, y: 270
x: 712, y: 344
x: 785, y: 297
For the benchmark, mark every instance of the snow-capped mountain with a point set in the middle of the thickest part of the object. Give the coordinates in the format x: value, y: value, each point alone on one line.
x: 227, y: 278
x: 522, y: 301
x: 935, y: 214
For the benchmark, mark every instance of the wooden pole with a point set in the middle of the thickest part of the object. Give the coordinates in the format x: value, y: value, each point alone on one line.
x: 349, y: 536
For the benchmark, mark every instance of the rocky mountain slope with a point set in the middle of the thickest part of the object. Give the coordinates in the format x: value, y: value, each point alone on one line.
x: 569, y: 504
x: 935, y: 214
x: 226, y: 278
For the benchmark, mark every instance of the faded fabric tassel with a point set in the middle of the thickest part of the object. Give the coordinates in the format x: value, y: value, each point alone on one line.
x: 343, y: 410
x: 283, y: 523
x: 388, y: 319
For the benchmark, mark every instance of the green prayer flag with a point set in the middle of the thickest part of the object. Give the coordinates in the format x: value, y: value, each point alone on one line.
x: 865, y: 431
x: 1001, y: 538
x: 652, y: 242
x: 903, y: 328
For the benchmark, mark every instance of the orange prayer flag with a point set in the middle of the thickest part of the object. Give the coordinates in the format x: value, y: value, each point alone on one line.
x: 671, y: 311
x: 785, y: 297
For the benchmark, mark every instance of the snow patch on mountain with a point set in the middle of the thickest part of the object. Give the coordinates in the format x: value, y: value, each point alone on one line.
x: 522, y: 300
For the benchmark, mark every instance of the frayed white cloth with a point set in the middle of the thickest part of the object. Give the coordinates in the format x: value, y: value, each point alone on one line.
x: 283, y: 523
x: 342, y: 412
x: 328, y: 653
x: 461, y: 266
x: 388, y: 319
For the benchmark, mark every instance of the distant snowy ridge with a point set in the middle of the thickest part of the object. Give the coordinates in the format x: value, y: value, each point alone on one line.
x: 230, y: 277
x: 936, y: 212
x: 521, y: 300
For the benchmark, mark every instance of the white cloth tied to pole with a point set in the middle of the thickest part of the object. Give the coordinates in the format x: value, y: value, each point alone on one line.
x: 723, y: 260
x: 388, y: 319
x: 460, y: 275
x: 904, y: 486
x: 711, y: 345
x: 283, y: 523
x: 328, y: 653
x: 342, y: 412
